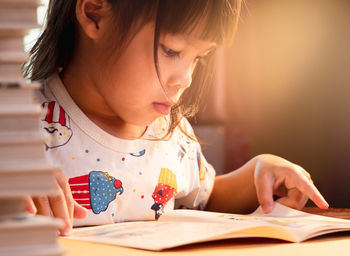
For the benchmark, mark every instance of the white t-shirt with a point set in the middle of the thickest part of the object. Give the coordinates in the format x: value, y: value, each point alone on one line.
x: 122, y: 180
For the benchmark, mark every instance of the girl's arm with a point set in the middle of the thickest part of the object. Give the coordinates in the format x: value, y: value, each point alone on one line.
x: 242, y: 190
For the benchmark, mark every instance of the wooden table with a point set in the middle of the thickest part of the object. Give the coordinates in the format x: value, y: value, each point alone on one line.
x: 334, y: 244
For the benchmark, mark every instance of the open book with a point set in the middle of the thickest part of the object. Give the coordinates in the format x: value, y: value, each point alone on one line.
x: 180, y: 227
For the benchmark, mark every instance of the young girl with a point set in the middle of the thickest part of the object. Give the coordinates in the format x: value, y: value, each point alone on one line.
x: 119, y: 79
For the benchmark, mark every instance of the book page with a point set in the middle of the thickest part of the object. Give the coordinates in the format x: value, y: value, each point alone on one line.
x: 303, y: 225
x: 180, y: 227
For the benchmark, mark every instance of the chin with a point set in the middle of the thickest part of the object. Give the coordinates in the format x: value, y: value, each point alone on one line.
x: 144, y: 122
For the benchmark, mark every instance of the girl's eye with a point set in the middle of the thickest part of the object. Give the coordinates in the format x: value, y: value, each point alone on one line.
x: 169, y: 52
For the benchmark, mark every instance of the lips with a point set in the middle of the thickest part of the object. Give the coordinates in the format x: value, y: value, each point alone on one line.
x: 162, y: 108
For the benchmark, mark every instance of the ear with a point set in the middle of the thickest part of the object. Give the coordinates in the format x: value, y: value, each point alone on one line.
x: 90, y: 14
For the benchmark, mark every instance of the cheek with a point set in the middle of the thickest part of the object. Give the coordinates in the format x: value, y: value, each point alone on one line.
x: 165, y: 64
x: 132, y: 92
x: 132, y: 74
x: 138, y: 78
x: 170, y: 67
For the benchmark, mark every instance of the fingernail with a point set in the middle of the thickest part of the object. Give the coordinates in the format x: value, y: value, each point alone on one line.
x: 67, y: 232
x: 32, y: 211
x: 267, y: 208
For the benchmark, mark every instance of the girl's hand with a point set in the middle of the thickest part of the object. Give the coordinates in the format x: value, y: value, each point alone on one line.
x: 276, y: 176
x: 60, y: 206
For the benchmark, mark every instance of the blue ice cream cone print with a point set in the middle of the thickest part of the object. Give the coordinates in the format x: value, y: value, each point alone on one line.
x: 95, y: 190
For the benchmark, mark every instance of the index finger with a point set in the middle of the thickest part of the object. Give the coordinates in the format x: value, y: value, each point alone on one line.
x: 309, y: 189
x: 65, y: 188
x: 60, y: 210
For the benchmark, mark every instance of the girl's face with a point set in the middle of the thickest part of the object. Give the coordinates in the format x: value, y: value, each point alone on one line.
x: 129, y: 84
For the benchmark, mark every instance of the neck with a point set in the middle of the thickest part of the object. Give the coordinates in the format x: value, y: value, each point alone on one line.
x: 94, y: 106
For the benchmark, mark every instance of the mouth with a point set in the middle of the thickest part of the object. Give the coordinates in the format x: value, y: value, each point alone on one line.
x: 162, y: 107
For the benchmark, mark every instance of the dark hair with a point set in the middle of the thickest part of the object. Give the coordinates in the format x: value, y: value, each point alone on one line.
x: 218, y: 20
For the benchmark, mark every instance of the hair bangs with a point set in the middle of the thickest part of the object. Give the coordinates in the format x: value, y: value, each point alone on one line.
x: 212, y: 20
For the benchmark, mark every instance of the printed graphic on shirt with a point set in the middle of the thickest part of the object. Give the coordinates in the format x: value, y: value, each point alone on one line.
x: 186, y: 147
x: 181, y: 153
x: 166, y: 189
x: 141, y: 153
x: 56, y: 123
x: 95, y: 190
x: 202, y: 169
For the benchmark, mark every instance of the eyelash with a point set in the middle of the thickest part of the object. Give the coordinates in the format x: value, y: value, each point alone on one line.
x: 174, y: 54
x: 169, y: 52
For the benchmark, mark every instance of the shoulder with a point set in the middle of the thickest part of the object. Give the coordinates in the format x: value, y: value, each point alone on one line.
x: 44, y: 94
x: 159, y: 130
x: 184, y: 128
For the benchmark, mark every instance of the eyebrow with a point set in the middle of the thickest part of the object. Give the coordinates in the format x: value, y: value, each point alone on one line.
x: 206, y: 51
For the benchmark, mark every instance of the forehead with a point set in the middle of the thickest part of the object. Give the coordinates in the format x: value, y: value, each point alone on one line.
x: 184, y: 39
x: 194, y: 34
x: 208, y: 19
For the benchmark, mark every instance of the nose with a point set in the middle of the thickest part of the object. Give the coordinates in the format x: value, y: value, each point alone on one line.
x: 181, y: 77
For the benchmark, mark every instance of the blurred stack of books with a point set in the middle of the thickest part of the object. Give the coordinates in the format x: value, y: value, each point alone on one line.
x: 24, y: 169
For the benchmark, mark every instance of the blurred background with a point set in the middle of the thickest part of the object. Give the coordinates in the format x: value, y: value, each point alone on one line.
x: 283, y: 88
